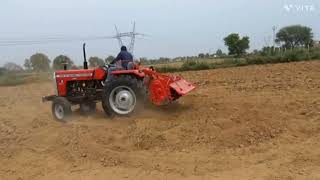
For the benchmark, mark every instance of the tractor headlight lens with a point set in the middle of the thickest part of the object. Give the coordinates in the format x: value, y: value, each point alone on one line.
x: 55, y: 84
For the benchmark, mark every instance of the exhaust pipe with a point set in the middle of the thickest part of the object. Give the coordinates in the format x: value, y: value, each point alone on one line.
x: 85, y: 63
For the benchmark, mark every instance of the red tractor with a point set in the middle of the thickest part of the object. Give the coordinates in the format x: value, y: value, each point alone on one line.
x: 119, y: 96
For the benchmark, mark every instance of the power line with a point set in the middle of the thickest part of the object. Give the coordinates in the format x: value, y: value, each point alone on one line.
x: 7, y: 42
x: 17, y: 42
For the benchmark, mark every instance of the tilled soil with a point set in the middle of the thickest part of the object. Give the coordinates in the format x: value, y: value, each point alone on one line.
x: 254, y: 122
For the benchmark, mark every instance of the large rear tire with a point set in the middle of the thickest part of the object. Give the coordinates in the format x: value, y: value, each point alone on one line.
x: 61, y: 109
x: 122, y: 95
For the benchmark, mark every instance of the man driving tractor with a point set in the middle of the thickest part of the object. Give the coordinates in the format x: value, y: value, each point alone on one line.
x: 124, y: 60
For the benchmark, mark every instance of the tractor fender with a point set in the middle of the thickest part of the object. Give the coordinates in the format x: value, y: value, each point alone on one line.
x: 135, y: 72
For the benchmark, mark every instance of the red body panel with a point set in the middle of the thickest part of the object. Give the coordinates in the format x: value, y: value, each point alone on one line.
x: 136, y: 72
x: 62, y: 77
x: 99, y: 74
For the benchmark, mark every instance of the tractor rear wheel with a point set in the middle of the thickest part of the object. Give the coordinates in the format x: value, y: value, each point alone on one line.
x: 61, y: 109
x: 122, y: 95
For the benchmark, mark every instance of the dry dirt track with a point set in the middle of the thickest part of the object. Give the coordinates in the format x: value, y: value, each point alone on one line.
x: 255, y: 122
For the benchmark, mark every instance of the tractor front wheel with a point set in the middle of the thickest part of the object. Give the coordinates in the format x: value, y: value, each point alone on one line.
x: 122, y: 95
x: 61, y: 109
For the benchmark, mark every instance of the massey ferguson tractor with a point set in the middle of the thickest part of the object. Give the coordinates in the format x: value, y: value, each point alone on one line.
x: 120, y: 96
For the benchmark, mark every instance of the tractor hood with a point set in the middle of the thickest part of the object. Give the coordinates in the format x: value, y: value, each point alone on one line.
x: 82, y: 73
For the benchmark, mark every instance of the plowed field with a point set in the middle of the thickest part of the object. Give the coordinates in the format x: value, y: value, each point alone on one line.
x: 254, y: 122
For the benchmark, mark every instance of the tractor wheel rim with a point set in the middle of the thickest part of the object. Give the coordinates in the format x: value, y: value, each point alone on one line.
x: 122, y: 100
x: 59, y: 111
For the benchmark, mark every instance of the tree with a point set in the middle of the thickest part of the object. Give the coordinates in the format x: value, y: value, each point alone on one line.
x: 236, y: 45
x: 256, y: 51
x: 12, y: 67
x: 219, y: 53
x: 59, y: 61
x: 96, y: 61
x: 40, y: 62
x: 201, y: 55
x: 27, y: 64
x: 295, y: 36
x: 2, y: 70
x: 109, y: 59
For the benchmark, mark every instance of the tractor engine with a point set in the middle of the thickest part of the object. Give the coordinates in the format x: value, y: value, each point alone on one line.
x: 83, y: 88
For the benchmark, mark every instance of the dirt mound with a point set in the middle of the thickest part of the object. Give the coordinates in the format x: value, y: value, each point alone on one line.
x: 255, y: 122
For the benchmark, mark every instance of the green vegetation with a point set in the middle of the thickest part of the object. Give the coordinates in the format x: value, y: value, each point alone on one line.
x: 40, y: 62
x: 11, y: 79
x: 109, y: 59
x: 255, y: 58
x: 96, y: 61
x: 14, y: 79
x: 236, y: 45
x: 295, y: 36
x: 60, y: 61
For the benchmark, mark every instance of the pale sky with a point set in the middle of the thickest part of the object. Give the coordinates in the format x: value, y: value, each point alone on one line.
x: 176, y: 27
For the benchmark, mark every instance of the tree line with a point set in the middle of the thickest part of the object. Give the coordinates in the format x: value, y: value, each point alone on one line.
x: 41, y: 62
x: 290, y: 37
x: 287, y: 38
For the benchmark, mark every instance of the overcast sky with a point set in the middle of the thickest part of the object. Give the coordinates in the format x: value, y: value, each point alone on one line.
x: 176, y: 27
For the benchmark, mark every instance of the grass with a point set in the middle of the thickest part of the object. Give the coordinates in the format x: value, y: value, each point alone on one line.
x: 11, y: 79
x: 18, y: 78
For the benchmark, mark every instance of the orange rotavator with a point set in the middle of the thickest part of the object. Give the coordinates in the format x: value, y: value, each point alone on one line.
x: 120, y: 95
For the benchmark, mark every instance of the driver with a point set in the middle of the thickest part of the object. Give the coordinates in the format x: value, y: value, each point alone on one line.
x: 124, y: 60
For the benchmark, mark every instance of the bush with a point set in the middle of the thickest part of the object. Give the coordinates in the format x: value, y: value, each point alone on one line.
x: 315, y: 53
x: 256, y: 58
x: 296, y: 55
x: 186, y: 66
x: 2, y: 71
x: 189, y: 64
x: 288, y: 56
x: 194, y: 65
x: 165, y: 69
x: 13, y: 79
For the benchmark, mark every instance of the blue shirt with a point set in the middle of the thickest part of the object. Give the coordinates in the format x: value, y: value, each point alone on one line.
x: 125, y: 56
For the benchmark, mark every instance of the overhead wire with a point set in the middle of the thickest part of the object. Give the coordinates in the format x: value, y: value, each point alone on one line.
x: 16, y: 42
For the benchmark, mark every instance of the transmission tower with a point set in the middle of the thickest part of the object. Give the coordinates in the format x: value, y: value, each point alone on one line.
x: 132, y: 35
x: 274, y: 28
x: 118, y: 36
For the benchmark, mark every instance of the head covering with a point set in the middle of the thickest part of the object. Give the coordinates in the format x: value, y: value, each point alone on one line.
x: 123, y: 48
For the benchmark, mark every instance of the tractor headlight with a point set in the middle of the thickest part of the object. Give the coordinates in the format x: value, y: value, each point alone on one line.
x: 55, y: 84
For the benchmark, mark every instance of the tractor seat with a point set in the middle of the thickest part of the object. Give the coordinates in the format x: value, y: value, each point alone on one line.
x: 130, y: 65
